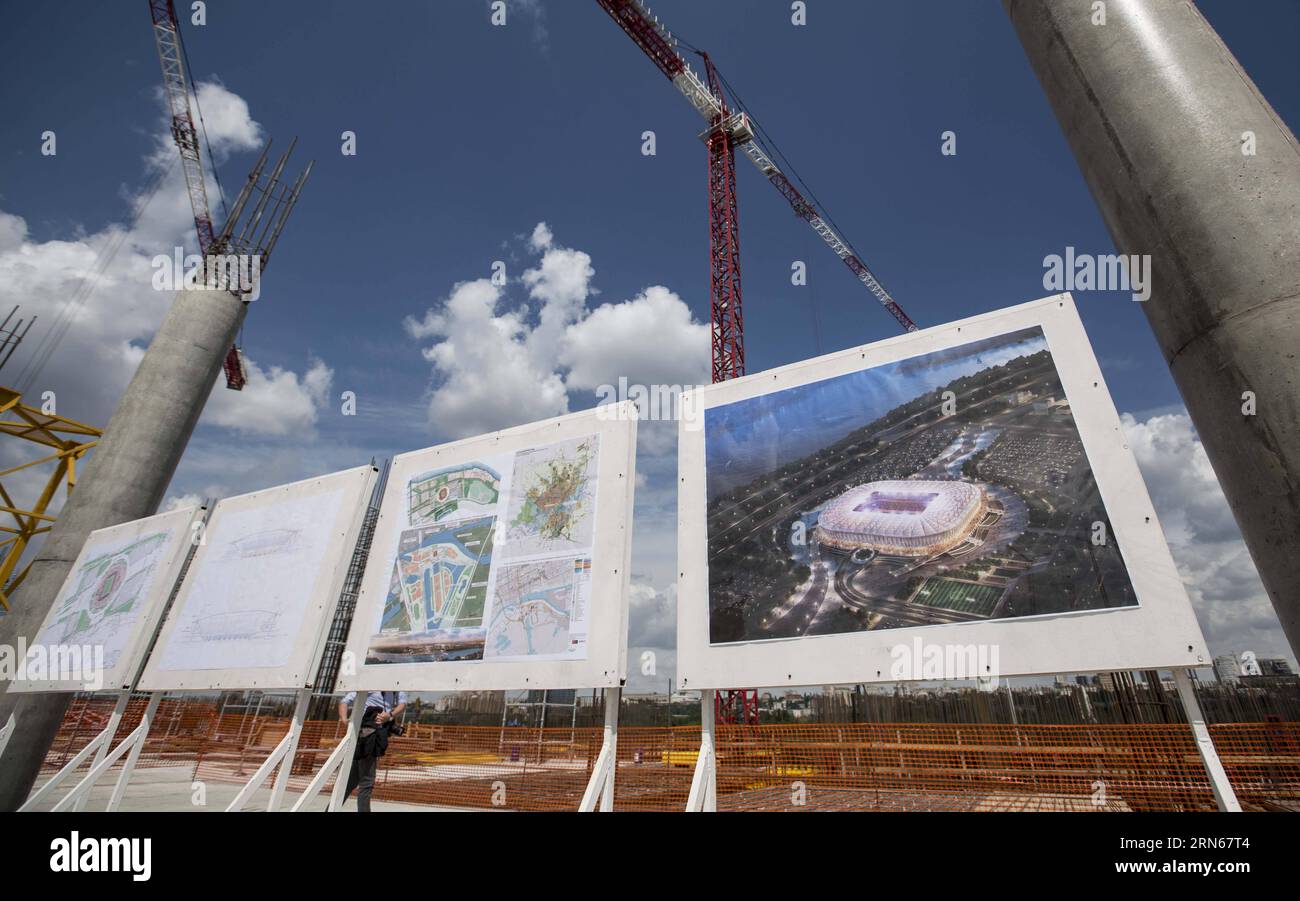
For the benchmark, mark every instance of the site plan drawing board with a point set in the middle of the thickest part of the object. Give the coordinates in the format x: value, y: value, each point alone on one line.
x: 965, y: 488
x: 114, y: 596
x: 501, y: 562
x: 262, y: 588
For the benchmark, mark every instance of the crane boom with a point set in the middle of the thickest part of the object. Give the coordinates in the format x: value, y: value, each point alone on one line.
x: 659, y: 44
x: 167, y: 36
x: 166, y: 33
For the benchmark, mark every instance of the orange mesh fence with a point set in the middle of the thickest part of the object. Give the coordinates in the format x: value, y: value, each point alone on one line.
x: 961, y: 767
x: 1262, y: 761
x: 861, y: 766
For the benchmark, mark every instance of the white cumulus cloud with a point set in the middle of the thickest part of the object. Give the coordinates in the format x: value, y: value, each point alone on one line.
x: 275, y: 401
x: 1231, y: 604
x: 500, y: 360
x: 94, y: 292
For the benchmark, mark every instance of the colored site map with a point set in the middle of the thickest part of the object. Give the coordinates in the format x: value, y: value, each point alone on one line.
x: 103, y: 603
x: 540, y: 610
x: 553, y: 499
x: 440, y: 577
x: 452, y: 493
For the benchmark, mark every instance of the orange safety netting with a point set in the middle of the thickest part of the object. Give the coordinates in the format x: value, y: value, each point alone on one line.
x: 849, y: 766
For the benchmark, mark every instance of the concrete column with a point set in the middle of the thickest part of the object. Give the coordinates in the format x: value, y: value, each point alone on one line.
x: 1156, y: 110
x: 126, y: 478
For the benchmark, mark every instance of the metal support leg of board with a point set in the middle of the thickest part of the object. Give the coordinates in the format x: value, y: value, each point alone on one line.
x: 97, y: 746
x: 340, y: 793
x: 282, y: 755
x: 293, y: 738
x: 123, y: 698
x: 340, y: 755
x: 131, y: 743
x: 704, y: 785
x: 600, y: 788
x: 7, y: 731
x: 1224, y: 796
x: 115, y: 800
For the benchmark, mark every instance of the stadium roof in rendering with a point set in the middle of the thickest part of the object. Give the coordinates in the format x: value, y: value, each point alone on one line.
x: 911, y: 517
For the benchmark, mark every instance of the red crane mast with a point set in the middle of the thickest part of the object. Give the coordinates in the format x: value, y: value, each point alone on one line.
x: 167, y: 35
x: 728, y: 130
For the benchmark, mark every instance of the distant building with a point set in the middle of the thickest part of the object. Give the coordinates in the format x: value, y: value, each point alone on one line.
x: 1275, y: 666
x: 1227, y: 668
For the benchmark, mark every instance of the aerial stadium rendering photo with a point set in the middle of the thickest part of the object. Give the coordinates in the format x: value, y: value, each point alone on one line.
x: 943, y: 488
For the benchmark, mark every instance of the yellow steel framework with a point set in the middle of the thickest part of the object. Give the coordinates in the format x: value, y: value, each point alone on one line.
x: 70, y: 440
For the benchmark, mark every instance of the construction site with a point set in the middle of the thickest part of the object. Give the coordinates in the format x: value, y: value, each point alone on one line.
x: 518, y: 640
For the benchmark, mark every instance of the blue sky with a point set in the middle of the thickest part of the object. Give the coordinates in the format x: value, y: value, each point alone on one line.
x: 749, y: 438
x: 470, y: 135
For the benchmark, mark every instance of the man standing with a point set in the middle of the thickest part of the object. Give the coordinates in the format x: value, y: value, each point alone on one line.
x: 382, y: 708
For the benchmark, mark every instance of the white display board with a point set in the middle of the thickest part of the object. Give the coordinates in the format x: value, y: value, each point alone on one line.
x: 962, y: 493
x: 501, y: 562
x: 261, y: 590
x: 108, y: 608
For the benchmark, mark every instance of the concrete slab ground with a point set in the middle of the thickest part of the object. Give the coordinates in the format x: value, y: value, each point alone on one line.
x: 170, y: 789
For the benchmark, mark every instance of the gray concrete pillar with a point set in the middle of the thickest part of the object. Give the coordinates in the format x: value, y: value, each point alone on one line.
x: 126, y: 478
x: 1157, y: 112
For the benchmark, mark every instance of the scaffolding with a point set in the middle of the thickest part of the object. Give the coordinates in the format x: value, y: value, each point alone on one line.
x: 69, y: 440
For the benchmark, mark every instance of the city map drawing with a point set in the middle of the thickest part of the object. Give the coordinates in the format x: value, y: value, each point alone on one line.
x: 454, y: 492
x: 246, y: 602
x: 552, y: 504
x: 492, y: 560
x: 540, y: 609
x: 101, y: 605
x: 437, y: 594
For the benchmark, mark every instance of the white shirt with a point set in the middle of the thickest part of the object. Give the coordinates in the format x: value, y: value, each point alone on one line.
x: 380, y: 699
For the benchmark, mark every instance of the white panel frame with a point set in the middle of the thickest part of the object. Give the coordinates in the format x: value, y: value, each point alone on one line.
x: 127, y: 668
x: 1160, y: 632
x: 300, y: 671
x: 605, y: 665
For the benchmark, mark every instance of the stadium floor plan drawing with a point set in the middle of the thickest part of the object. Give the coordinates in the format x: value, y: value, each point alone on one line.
x: 452, y: 493
x: 949, y: 487
x: 100, y: 607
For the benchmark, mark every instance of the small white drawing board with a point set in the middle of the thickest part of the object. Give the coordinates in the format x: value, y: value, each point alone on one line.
x: 834, y: 511
x: 501, y: 562
x: 113, y: 598
x: 259, y: 594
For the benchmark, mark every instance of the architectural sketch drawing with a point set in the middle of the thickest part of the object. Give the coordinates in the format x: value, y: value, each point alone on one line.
x: 245, y: 599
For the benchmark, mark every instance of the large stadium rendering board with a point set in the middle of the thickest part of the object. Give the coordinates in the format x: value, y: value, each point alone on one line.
x: 944, y: 488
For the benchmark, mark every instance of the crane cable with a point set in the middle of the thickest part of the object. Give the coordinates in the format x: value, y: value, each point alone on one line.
x: 212, y: 157
x: 51, y: 340
x: 86, y: 287
x: 769, y: 144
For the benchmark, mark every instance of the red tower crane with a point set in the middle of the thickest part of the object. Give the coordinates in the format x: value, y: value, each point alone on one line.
x: 171, y: 54
x: 728, y: 130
